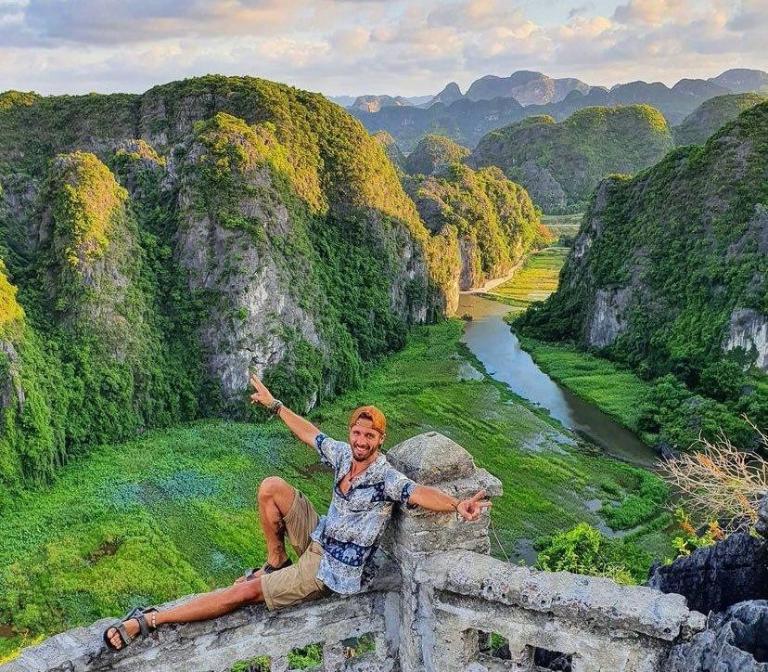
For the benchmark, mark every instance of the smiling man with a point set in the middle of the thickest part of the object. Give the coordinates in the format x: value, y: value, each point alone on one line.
x: 334, y: 551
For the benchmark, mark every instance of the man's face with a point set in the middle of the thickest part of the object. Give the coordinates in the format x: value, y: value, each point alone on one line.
x: 364, y: 439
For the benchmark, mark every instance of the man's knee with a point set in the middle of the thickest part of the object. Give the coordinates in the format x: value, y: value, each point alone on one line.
x: 247, y: 592
x: 276, y: 489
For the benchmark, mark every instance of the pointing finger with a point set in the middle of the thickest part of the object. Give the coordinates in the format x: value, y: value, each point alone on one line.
x: 478, y: 496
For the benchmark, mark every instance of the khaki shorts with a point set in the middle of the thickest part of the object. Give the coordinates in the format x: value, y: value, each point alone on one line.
x: 299, y: 582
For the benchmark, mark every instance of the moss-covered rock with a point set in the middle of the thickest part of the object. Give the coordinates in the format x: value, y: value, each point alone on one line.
x: 560, y: 164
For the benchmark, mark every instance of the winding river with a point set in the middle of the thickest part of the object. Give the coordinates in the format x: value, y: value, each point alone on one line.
x: 497, y: 347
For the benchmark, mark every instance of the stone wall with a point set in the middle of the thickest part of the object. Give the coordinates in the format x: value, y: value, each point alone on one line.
x: 441, y: 604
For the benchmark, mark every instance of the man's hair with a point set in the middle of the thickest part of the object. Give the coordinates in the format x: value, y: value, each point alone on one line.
x: 378, y: 421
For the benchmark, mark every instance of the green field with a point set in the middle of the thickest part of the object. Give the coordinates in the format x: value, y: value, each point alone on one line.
x: 535, y: 281
x: 172, y: 512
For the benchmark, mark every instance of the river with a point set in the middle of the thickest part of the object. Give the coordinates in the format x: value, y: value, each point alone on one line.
x: 497, y: 347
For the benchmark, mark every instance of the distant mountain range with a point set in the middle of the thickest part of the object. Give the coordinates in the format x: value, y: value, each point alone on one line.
x: 492, y: 102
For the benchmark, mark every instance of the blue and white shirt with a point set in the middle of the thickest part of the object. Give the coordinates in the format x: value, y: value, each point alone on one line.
x: 355, y: 521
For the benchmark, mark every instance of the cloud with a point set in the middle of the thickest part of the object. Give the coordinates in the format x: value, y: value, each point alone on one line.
x: 653, y: 12
x: 368, y: 46
x: 111, y: 22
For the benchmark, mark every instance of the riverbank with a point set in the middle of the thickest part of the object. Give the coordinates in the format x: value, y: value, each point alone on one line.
x: 613, y: 389
x: 172, y: 512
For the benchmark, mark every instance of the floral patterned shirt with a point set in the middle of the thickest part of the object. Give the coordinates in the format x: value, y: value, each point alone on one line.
x: 350, y: 530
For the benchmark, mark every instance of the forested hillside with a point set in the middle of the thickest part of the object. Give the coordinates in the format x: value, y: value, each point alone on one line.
x: 493, y: 219
x: 668, y: 274
x: 433, y: 154
x: 712, y: 114
x: 156, y: 246
x: 560, y: 164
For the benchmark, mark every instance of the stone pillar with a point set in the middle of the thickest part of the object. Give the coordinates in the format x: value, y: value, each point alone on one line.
x: 435, y: 460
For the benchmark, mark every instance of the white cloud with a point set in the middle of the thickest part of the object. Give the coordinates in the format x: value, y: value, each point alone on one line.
x: 368, y: 46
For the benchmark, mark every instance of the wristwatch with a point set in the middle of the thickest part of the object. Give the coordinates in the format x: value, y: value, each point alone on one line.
x: 275, y: 406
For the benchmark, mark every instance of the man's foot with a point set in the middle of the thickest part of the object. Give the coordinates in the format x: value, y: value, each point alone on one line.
x: 132, y: 627
x: 266, y: 568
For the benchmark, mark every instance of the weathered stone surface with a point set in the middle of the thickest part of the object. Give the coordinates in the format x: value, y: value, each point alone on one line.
x: 431, y: 458
x: 762, y: 522
x: 716, y: 577
x: 591, y: 601
x: 606, y: 321
x: 748, y: 329
x: 214, y: 646
x: 736, y: 641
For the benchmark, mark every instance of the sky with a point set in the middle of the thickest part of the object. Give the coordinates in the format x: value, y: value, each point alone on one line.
x: 398, y: 47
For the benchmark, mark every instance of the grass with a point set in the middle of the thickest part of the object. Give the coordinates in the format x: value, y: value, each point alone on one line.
x: 535, y: 281
x: 172, y: 512
x: 613, y: 389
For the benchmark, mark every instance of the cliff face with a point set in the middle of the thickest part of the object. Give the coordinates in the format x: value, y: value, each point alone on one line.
x: 560, y: 164
x: 669, y: 268
x: 177, y: 238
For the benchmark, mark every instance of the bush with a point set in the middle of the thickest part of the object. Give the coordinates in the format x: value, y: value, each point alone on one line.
x: 584, y: 550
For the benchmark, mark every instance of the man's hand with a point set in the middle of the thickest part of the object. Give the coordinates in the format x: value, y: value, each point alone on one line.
x: 261, y: 395
x: 470, y: 509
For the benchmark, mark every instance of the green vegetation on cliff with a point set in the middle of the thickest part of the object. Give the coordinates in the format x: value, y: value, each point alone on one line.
x: 668, y: 270
x: 252, y: 224
x: 433, y: 155
x: 712, y: 114
x: 560, y: 164
x: 494, y: 218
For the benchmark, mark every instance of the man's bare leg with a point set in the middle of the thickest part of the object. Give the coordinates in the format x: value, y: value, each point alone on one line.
x: 201, y: 608
x: 275, y: 501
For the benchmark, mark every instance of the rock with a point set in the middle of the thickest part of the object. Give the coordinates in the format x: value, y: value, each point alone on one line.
x: 607, y: 320
x: 735, y: 641
x: 716, y: 577
x: 762, y: 517
x: 748, y: 329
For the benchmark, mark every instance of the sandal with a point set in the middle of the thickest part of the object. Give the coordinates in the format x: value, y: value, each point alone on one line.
x: 266, y: 568
x: 139, y: 614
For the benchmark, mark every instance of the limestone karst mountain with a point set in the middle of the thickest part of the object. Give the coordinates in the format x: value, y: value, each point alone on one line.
x: 668, y: 272
x: 376, y: 103
x: 493, y: 219
x: 561, y: 163
x: 526, y: 87
x: 464, y: 121
x: 742, y: 80
x: 469, y: 118
x: 450, y: 94
x: 433, y: 154
x: 160, y: 244
x: 712, y: 114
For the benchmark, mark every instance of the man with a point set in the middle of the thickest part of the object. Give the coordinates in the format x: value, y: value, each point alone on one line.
x: 333, y: 550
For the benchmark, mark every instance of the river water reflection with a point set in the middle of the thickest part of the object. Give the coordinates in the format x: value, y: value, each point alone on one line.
x: 497, y: 347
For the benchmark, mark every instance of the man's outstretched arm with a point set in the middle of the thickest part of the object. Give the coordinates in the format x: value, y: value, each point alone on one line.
x: 436, y: 500
x: 303, y: 429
